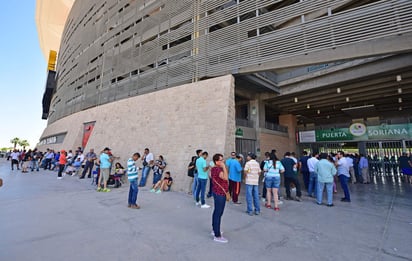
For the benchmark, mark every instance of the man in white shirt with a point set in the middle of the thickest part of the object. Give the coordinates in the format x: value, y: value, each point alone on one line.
x: 15, y: 159
x: 313, y: 176
x: 148, y: 161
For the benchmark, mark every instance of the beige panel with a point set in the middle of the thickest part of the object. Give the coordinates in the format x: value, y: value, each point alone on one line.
x: 174, y: 122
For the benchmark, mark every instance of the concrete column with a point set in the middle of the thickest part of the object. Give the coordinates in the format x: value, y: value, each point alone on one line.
x: 289, y: 120
x: 257, y: 115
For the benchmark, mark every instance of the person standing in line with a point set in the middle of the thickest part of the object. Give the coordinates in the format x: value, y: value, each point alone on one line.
x: 132, y: 176
x: 343, y: 174
x: 89, y: 164
x: 15, y: 159
x: 313, y: 176
x: 196, y: 174
x: 219, y: 177
x: 262, y: 166
x: 235, y: 177
x: 148, y: 161
x: 191, y: 173
x: 290, y: 177
x: 405, y: 164
x: 364, y: 169
x: 303, y: 166
x: 105, y: 164
x: 349, y: 159
x: 325, y: 171
x: 62, y: 163
x: 252, y: 173
x: 273, y: 168
x: 35, y: 160
x: 202, y: 170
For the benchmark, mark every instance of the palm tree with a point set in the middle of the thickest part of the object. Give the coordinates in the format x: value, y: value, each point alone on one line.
x: 15, y: 141
x: 24, y: 144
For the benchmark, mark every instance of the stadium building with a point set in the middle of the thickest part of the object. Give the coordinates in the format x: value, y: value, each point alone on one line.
x: 225, y: 75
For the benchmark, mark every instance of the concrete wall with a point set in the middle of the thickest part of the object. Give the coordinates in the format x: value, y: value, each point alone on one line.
x: 173, y: 122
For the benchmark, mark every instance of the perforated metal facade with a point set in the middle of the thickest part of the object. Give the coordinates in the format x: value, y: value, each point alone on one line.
x: 114, y: 49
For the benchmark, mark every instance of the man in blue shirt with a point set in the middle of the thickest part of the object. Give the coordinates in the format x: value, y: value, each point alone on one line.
x: 303, y: 166
x: 202, y: 175
x: 105, y: 165
x: 235, y: 178
x: 290, y: 177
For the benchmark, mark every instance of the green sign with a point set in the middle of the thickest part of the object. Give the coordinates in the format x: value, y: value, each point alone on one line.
x: 333, y: 135
x: 359, y: 132
x: 239, y: 132
x: 384, y: 131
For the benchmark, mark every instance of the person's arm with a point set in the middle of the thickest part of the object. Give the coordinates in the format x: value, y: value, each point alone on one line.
x: 223, y: 174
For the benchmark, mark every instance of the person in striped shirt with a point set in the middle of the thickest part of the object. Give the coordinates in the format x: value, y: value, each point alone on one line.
x: 252, y: 172
x: 132, y: 177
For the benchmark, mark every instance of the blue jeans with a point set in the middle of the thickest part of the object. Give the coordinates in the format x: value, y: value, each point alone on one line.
x: 194, y: 186
x: 220, y: 202
x: 313, y: 180
x: 34, y: 165
x: 156, y: 178
x: 201, y: 189
x: 252, y: 192
x: 344, y: 184
x: 329, y: 192
x: 145, y: 173
x: 133, y: 192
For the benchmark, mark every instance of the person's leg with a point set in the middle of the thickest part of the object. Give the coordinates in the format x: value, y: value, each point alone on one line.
x: 61, y: 167
x: 236, y: 191
x: 231, y: 188
x: 209, y: 193
x: 264, y: 192
x: 91, y: 165
x: 306, y: 177
x: 297, y: 185
x: 275, y: 197
x: 344, y: 184
x: 194, y: 187
x: 352, y: 175
x: 145, y: 173
x: 190, y: 190
x: 134, y: 193
x: 319, y: 192
x: 287, y: 187
x: 268, y: 185
x: 203, y: 190
x: 220, y: 202
x: 85, y: 169
x: 255, y: 194
x: 329, y: 192
x: 129, y: 201
x: 249, y: 189
x: 198, y: 189
x: 311, y: 184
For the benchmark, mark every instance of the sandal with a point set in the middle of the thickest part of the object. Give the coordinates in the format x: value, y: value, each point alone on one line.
x: 268, y: 206
x: 276, y: 209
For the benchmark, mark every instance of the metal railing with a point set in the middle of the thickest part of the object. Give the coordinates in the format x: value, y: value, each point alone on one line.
x: 276, y: 127
x: 245, y: 123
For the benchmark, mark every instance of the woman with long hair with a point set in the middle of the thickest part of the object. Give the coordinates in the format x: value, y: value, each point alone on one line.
x: 220, y: 187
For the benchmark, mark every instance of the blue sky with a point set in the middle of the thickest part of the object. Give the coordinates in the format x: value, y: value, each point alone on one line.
x: 23, y: 72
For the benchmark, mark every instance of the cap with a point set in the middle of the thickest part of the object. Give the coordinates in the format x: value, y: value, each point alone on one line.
x: 107, y: 148
x: 252, y: 155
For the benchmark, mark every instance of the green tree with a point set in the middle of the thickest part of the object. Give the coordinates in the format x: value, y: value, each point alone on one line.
x: 15, y: 141
x: 24, y: 144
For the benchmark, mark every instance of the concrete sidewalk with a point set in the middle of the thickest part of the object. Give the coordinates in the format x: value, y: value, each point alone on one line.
x: 42, y: 218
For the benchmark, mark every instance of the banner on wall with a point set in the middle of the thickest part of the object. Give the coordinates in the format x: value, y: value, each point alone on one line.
x: 87, y: 131
x: 358, y: 132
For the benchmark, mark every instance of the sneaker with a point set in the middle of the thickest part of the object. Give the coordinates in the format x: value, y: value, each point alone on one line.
x: 298, y: 199
x: 198, y: 203
x: 135, y: 206
x: 158, y: 191
x: 204, y: 206
x: 152, y: 190
x: 330, y: 205
x: 257, y: 213
x: 249, y: 213
x: 106, y: 190
x: 220, y: 239
x: 59, y: 177
x: 99, y: 190
x: 280, y: 202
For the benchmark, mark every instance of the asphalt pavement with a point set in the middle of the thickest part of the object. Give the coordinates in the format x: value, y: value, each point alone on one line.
x: 42, y: 218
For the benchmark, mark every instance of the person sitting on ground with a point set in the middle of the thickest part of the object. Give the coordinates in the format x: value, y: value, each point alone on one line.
x: 164, y: 184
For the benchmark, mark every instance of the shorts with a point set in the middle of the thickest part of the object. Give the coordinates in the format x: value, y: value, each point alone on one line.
x: 272, y: 182
x: 407, y: 171
x: 105, y: 174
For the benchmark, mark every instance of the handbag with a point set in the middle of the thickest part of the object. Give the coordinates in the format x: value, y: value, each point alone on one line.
x: 226, y: 192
